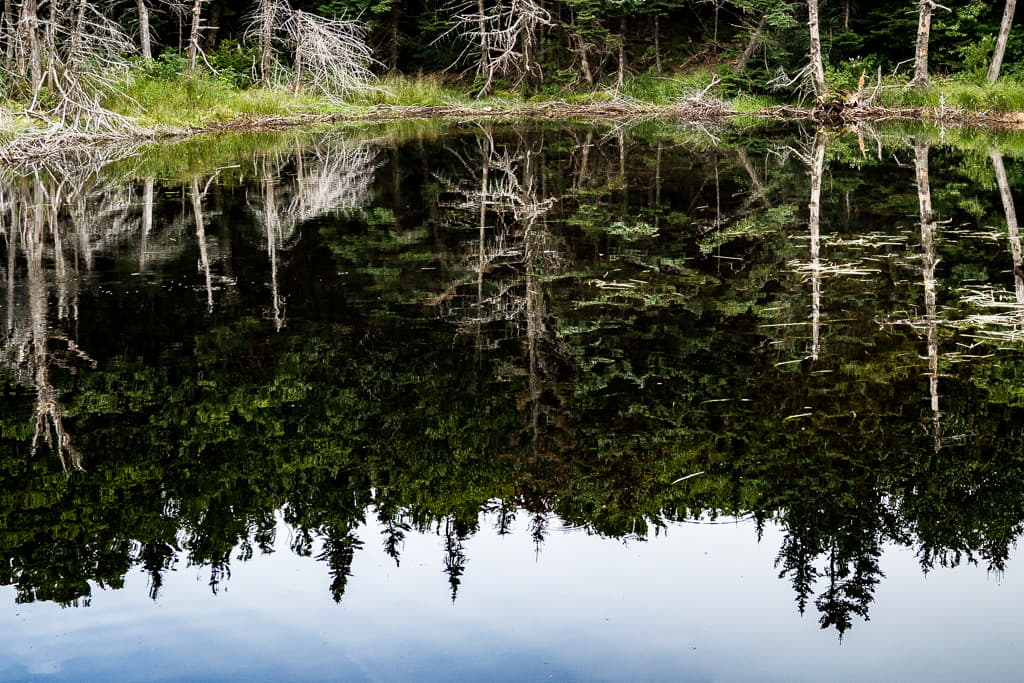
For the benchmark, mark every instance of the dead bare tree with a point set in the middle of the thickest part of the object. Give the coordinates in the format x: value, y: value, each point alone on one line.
x: 328, y: 56
x: 506, y: 38
x: 263, y: 24
x: 74, y: 55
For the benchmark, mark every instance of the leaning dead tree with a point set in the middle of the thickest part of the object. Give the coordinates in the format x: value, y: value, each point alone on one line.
x: 327, y: 56
x: 505, y: 37
x: 1004, y: 36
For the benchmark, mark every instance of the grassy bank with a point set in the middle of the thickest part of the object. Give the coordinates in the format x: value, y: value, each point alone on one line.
x: 183, y: 101
x: 159, y: 102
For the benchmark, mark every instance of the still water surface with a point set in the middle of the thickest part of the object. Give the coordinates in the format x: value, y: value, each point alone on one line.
x: 570, y: 403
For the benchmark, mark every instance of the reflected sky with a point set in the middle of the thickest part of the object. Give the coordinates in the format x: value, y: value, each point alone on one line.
x: 700, y: 603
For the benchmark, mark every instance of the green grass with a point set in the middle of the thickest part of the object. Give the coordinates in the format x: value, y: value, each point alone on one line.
x: 1006, y: 95
x: 746, y: 103
x: 409, y: 91
x: 191, y: 101
x: 662, y: 90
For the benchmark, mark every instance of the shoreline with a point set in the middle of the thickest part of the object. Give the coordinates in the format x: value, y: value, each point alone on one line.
x: 52, y: 143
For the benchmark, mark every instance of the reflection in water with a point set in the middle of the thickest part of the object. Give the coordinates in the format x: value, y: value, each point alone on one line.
x: 928, y: 264
x: 607, y: 327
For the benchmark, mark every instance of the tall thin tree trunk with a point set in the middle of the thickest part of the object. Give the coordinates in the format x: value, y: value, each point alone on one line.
x: 622, y: 52
x: 657, y: 45
x: 486, y: 67
x: 395, y: 15
x: 1004, y: 36
x: 9, y: 30
x: 265, y: 39
x: 213, y: 28
x: 817, y: 64
x: 194, y: 33
x: 924, y: 30
x: 31, y: 61
x: 145, y: 43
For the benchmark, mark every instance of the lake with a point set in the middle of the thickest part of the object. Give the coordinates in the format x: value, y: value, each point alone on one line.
x: 458, y: 401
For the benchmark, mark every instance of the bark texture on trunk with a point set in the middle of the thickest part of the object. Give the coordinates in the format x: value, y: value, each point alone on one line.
x: 145, y: 42
x: 924, y: 31
x: 817, y: 64
x: 194, y: 33
x: 1004, y: 36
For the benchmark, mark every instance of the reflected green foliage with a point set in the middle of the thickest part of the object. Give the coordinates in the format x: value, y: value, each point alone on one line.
x: 616, y: 330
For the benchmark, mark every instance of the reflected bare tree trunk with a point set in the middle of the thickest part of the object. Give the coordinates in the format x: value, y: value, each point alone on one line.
x: 12, y: 261
x: 147, y: 222
x: 48, y: 411
x: 760, y: 191
x: 486, y: 152
x: 272, y: 225
x: 814, y: 222
x: 928, y: 264
x: 581, y: 176
x: 194, y: 34
x: 1012, y: 227
x: 204, y: 257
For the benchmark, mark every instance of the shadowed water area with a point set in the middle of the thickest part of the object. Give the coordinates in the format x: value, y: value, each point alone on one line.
x: 490, y: 402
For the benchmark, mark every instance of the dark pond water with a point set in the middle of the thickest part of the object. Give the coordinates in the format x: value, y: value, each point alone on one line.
x: 496, y: 403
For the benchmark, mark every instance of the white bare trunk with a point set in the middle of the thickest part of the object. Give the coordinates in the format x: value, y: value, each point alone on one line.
x: 194, y: 34
x: 817, y: 63
x: 1004, y: 36
x: 924, y: 30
